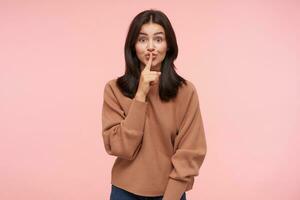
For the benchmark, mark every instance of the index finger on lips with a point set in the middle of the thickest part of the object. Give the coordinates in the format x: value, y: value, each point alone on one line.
x: 149, y: 63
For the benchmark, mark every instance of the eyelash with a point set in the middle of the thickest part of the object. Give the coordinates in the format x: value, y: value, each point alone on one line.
x: 144, y: 38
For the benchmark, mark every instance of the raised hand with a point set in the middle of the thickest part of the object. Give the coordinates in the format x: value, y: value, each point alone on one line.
x: 147, y: 77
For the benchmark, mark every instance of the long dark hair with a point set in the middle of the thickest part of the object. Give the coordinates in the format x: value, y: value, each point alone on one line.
x: 169, y: 81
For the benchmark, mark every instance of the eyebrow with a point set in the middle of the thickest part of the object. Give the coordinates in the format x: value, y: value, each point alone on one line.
x: 141, y: 33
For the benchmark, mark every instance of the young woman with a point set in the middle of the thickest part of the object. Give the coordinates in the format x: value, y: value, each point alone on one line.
x: 151, y: 118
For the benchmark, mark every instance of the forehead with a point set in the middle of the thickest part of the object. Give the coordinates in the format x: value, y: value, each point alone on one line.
x: 151, y: 29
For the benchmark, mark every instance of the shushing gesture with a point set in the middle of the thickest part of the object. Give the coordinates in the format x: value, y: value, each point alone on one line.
x: 146, y: 78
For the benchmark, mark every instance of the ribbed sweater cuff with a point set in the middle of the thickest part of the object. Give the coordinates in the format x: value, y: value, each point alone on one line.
x: 174, y: 189
x: 136, y: 115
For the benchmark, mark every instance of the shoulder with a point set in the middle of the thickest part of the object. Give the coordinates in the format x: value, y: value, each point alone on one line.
x: 110, y: 85
x: 186, y: 102
x: 110, y: 88
x: 186, y: 90
x: 187, y: 96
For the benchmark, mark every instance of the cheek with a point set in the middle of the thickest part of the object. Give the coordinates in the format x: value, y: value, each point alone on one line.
x: 139, y: 49
x: 162, y: 49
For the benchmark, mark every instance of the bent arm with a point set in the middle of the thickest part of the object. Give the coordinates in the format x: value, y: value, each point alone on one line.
x: 122, y: 135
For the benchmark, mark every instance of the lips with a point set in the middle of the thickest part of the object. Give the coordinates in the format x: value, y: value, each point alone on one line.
x: 153, y: 58
x: 153, y: 54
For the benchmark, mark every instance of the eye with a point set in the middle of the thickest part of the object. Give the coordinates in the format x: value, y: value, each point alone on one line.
x: 141, y: 39
x: 159, y: 39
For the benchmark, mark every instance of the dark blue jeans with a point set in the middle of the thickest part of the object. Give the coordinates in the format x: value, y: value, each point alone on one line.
x: 121, y: 194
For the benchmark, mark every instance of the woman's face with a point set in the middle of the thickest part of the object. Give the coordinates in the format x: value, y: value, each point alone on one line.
x: 151, y: 38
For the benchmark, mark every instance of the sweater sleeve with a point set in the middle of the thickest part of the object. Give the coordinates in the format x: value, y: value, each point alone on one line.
x: 190, y: 145
x: 122, y: 135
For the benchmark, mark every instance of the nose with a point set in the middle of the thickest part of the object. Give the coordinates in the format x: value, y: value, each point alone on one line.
x: 150, y: 46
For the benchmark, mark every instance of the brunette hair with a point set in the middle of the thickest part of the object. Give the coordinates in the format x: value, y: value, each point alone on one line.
x: 169, y: 81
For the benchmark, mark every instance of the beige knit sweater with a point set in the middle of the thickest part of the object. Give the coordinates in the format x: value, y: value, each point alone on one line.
x: 159, y: 147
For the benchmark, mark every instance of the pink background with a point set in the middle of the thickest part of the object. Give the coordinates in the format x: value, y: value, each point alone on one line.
x: 243, y: 57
